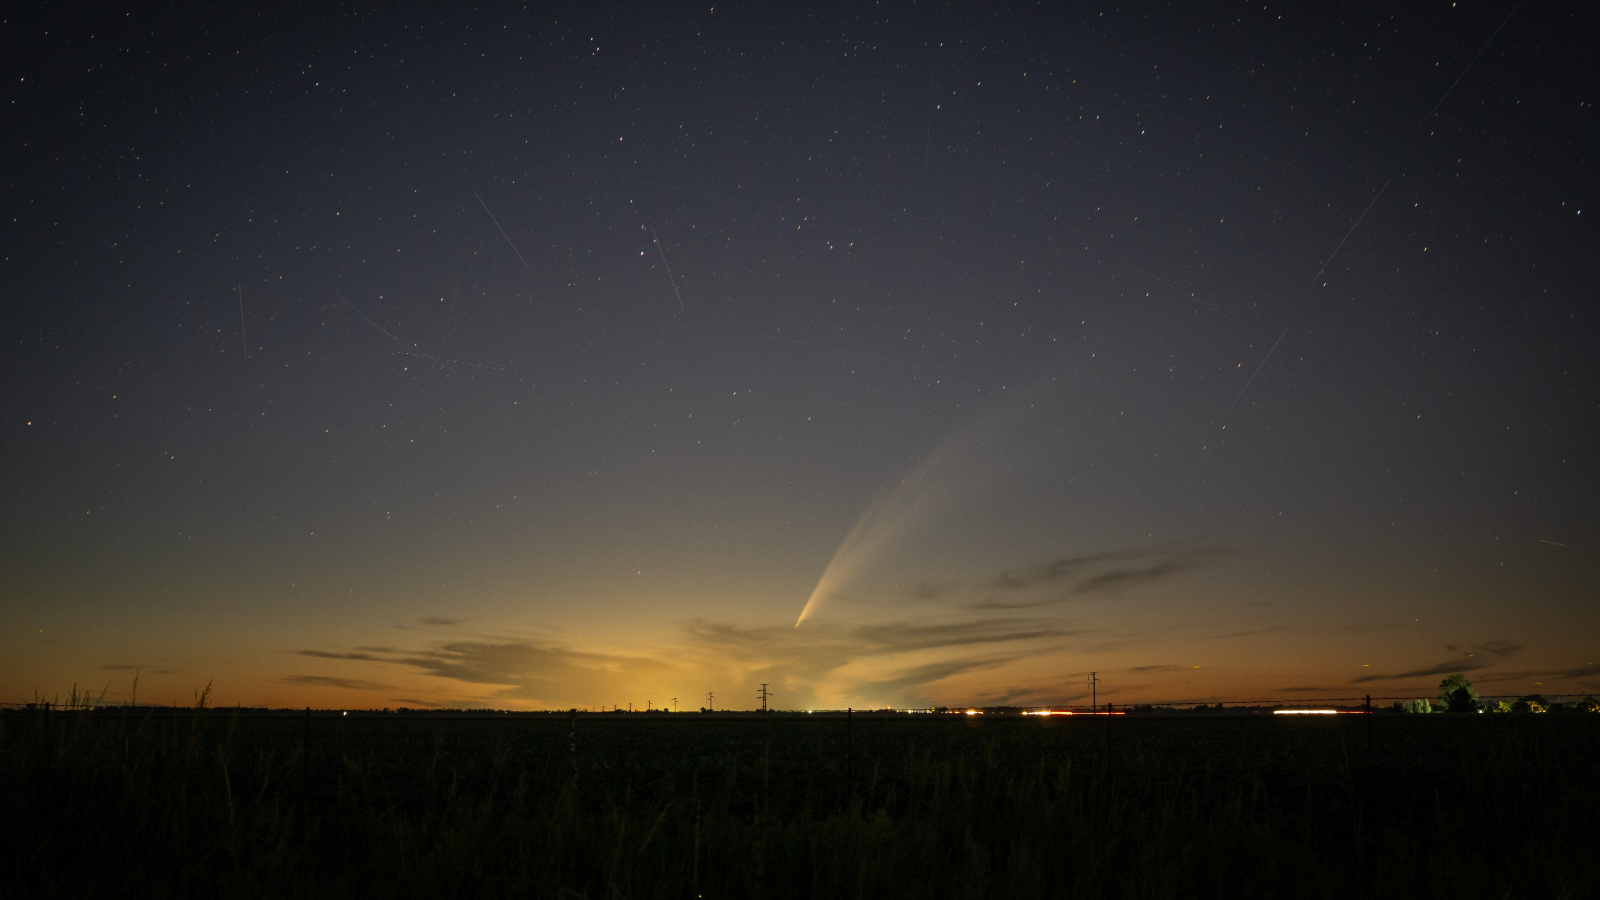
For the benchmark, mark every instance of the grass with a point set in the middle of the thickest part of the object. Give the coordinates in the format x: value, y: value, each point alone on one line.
x: 217, y: 804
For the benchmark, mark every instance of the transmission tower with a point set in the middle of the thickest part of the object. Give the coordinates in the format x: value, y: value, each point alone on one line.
x: 763, y: 695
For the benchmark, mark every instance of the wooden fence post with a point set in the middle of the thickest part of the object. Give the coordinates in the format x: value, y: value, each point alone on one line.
x: 849, y: 753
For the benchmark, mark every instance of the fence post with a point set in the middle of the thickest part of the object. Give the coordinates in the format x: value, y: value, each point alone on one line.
x: 849, y: 753
x: 305, y: 774
x: 1369, y: 736
x: 1108, y: 739
x: 305, y: 750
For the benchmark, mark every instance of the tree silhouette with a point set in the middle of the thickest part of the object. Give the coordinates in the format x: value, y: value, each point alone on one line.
x: 1448, y: 689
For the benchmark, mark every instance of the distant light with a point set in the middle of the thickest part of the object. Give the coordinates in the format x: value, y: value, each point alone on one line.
x: 1049, y: 712
x: 974, y: 712
x: 1305, y: 712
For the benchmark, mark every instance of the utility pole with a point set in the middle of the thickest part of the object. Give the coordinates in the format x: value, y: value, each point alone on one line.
x: 1094, y: 683
x: 763, y: 694
x: 674, y: 704
x: 711, y: 701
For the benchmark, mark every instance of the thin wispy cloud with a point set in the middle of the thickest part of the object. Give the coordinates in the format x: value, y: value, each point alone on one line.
x: 1499, y: 648
x: 1444, y: 668
x: 1470, y: 662
x: 1069, y: 578
x: 921, y: 676
x: 1377, y: 627
x: 990, y: 603
x: 1249, y: 632
x: 482, y: 662
x: 354, y: 684
x: 1592, y: 670
x: 1119, y: 580
x: 1574, y: 673
x: 1026, y: 695
x: 324, y: 654
x: 897, y: 637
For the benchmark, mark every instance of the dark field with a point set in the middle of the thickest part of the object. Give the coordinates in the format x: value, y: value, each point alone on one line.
x: 134, y: 803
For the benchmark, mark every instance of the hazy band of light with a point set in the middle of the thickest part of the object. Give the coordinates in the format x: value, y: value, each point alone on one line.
x: 924, y: 490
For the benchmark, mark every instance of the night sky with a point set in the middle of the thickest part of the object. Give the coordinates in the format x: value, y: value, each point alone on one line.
x: 383, y: 355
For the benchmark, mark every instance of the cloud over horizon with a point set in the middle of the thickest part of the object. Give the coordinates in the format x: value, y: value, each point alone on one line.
x: 820, y: 660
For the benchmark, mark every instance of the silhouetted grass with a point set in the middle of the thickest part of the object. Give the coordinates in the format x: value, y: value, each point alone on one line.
x: 133, y: 803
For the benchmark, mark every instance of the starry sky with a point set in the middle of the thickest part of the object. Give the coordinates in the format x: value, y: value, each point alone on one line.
x: 885, y: 353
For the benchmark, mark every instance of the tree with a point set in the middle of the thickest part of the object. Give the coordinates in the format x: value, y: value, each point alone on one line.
x: 1416, y: 706
x: 1449, y: 686
x: 1533, y: 703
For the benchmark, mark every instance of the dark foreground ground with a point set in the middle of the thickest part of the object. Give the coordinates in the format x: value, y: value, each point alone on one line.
x: 139, y: 804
